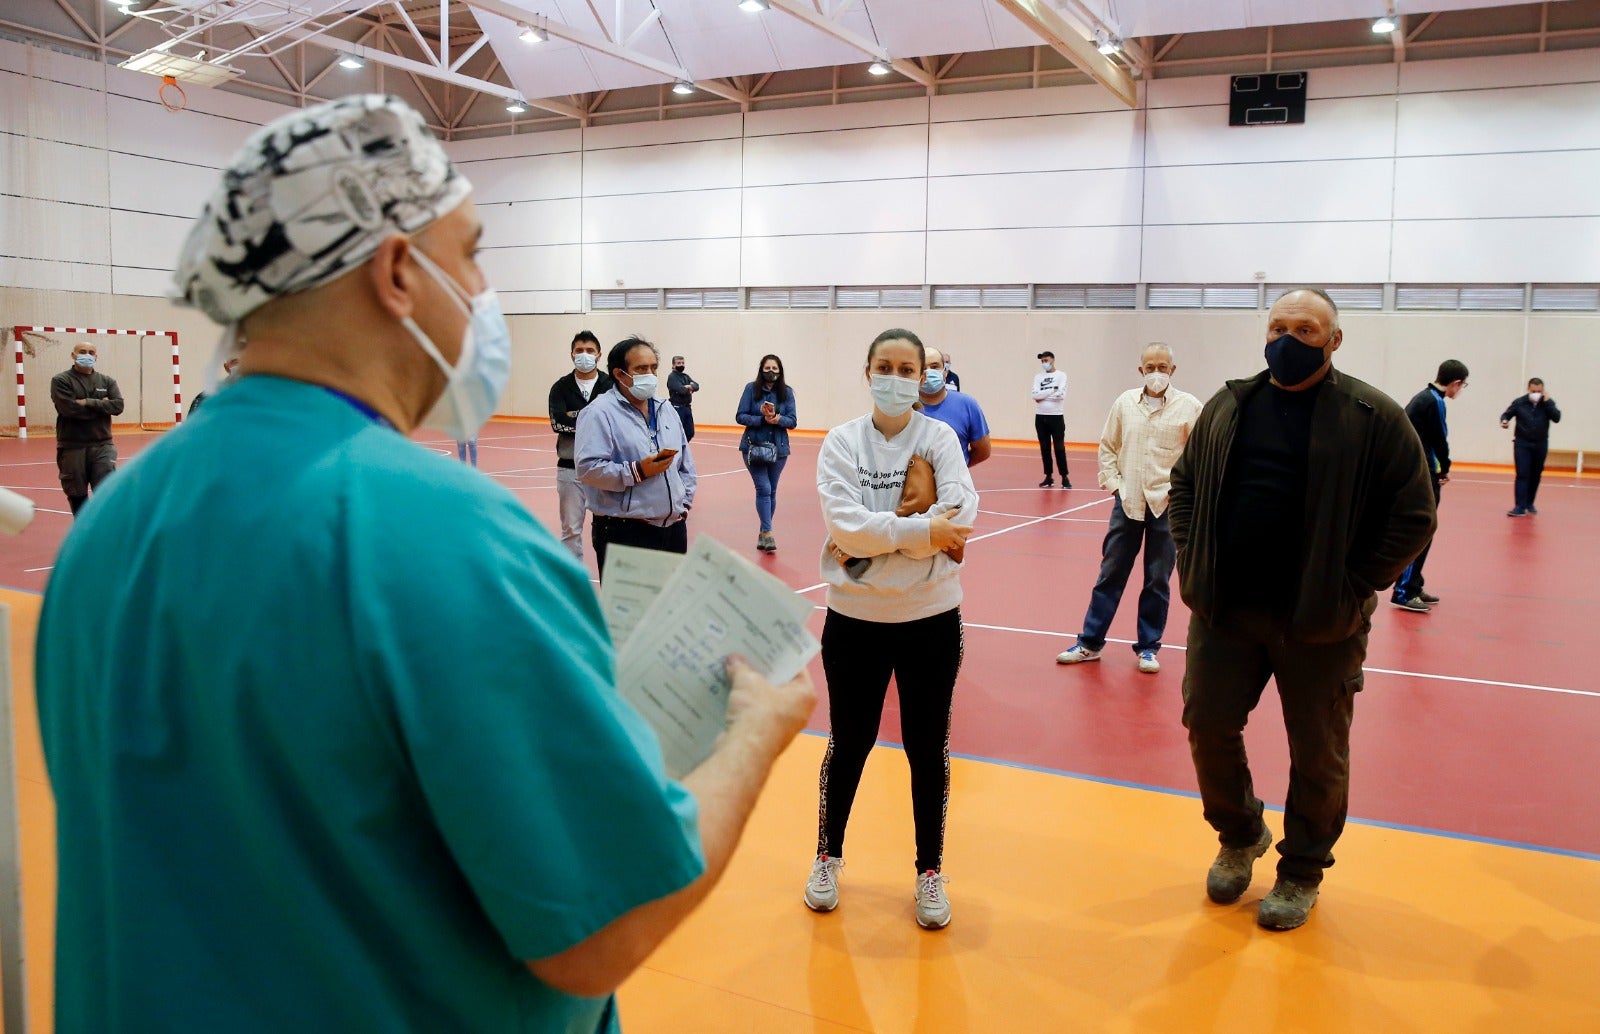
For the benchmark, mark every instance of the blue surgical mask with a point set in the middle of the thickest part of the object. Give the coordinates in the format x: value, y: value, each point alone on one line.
x: 643, y: 386
x: 584, y: 362
x: 933, y: 382
x: 86, y: 360
x: 474, y: 385
x: 893, y: 395
x: 1292, y: 361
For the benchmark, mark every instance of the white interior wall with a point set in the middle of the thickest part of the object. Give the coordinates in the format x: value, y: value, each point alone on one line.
x: 1476, y: 170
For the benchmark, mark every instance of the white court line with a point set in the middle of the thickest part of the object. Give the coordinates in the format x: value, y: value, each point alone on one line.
x: 1084, y: 520
x: 1375, y: 671
x: 33, y: 463
x: 36, y: 570
x: 1002, y: 531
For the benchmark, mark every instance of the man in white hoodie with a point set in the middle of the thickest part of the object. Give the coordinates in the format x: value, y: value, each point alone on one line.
x: 1049, y: 403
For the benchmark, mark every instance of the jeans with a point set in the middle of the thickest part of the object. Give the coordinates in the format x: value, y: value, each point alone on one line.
x: 1117, y: 554
x: 765, y: 476
x: 570, y: 493
x: 857, y: 658
x: 470, y: 446
x: 1228, y: 666
x: 1530, y: 468
x: 1052, y: 432
x: 1409, y: 584
x: 686, y: 418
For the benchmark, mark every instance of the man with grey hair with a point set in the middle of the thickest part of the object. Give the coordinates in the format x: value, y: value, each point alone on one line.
x: 354, y: 759
x: 1301, y: 494
x: 1143, y: 437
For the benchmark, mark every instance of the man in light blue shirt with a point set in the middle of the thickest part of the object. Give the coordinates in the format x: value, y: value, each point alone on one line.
x: 350, y: 756
x: 956, y: 408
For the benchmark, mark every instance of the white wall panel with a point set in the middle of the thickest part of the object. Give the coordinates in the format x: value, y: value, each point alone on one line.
x: 1498, y: 250
x: 1276, y: 192
x: 869, y: 206
x: 1325, y: 83
x: 1476, y: 73
x: 155, y: 185
x: 706, y: 165
x: 51, y: 171
x: 1489, y: 186
x: 534, y: 178
x: 51, y: 111
x: 515, y: 302
x: 676, y: 131
x: 147, y: 241
x: 708, y: 263
x: 55, y: 231
x: 1099, y: 140
x: 908, y: 111
x: 880, y: 258
x: 1309, y: 252
x: 553, y: 142
x: 190, y: 136
x: 1529, y: 118
x: 530, y: 223
x: 1092, y: 254
x: 689, y: 215
x: 895, y: 152
x: 1098, y: 197
x: 43, y: 275
x: 1053, y: 100
x: 151, y: 283
x: 531, y: 269
x: 1358, y: 127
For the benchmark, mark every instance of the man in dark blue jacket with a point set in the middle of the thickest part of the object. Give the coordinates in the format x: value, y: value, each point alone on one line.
x: 1534, y: 413
x: 1426, y: 413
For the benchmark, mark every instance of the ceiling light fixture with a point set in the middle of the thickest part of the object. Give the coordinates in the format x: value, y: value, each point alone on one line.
x: 1385, y: 25
x: 754, y: 6
x: 878, y: 68
x: 683, y: 87
x: 352, y: 62
x: 531, y: 35
x: 1106, y: 43
x: 516, y: 107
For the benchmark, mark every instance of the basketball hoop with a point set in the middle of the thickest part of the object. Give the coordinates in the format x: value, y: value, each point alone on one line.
x: 170, y: 82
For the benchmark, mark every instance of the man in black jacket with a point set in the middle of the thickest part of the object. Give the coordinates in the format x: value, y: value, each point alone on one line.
x: 568, y: 396
x: 1302, y: 492
x: 1426, y: 413
x: 680, y: 391
x: 85, y: 402
x: 1534, y: 413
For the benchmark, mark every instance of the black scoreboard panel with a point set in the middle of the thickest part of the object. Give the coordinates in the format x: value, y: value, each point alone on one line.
x: 1267, y: 99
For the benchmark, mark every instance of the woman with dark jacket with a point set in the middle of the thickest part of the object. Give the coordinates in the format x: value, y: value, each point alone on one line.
x: 766, y: 411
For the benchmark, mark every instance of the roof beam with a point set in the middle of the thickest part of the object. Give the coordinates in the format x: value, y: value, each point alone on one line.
x: 428, y: 71
x: 1067, y: 41
x: 808, y: 14
x: 601, y: 45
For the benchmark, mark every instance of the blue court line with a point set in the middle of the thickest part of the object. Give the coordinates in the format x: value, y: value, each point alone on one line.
x: 25, y: 592
x: 1194, y: 796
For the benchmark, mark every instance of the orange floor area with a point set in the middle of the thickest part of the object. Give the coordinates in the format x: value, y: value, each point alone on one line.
x: 1079, y: 906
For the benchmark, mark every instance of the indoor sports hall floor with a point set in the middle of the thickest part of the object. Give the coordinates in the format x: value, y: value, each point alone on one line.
x: 1467, y: 894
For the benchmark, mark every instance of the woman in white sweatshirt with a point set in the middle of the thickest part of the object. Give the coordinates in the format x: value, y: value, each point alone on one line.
x: 894, y: 607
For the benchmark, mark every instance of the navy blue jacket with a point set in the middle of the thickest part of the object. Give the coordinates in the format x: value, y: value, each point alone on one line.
x: 1533, y: 421
x: 756, y: 428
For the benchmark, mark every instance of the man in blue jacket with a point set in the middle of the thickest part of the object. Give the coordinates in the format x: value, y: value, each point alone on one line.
x: 633, y: 458
x: 1426, y: 413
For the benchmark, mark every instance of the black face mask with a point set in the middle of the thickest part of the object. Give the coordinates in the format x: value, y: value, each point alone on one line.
x: 1292, y: 361
x: 770, y: 376
x: 677, y: 369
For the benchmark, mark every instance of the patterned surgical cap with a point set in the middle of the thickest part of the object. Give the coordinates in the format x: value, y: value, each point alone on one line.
x: 309, y: 198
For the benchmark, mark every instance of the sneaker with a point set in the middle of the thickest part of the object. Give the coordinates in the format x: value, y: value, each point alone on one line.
x: 1047, y: 482
x: 1427, y: 597
x: 1230, y: 874
x: 1518, y: 512
x: 1077, y: 655
x: 1287, y: 906
x: 1534, y: 510
x: 1413, y: 604
x: 1148, y: 663
x: 822, y: 889
x: 766, y: 543
x: 933, y: 906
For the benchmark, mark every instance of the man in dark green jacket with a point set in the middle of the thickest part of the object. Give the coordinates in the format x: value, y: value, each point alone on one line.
x: 1301, y: 493
x: 85, y: 402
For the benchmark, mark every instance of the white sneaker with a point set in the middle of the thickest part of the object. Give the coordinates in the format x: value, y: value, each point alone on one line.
x: 822, y: 889
x: 933, y: 907
x: 1148, y: 663
x: 1077, y: 655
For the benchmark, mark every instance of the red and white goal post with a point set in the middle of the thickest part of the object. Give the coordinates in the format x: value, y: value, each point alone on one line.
x: 50, y: 354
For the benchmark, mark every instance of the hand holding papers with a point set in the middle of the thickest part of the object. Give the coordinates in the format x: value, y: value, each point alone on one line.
x: 675, y: 619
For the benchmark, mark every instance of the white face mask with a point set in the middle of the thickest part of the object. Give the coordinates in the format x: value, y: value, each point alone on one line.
x: 474, y: 385
x: 894, y: 395
x: 1044, y: 366
x: 1535, y: 396
x: 643, y: 386
x: 1156, y: 383
x: 584, y: 362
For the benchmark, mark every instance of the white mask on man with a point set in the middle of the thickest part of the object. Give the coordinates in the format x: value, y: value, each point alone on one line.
x: 1535, y: 396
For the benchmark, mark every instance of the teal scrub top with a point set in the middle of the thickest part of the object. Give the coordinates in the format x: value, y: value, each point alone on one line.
x: 332, y: 729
